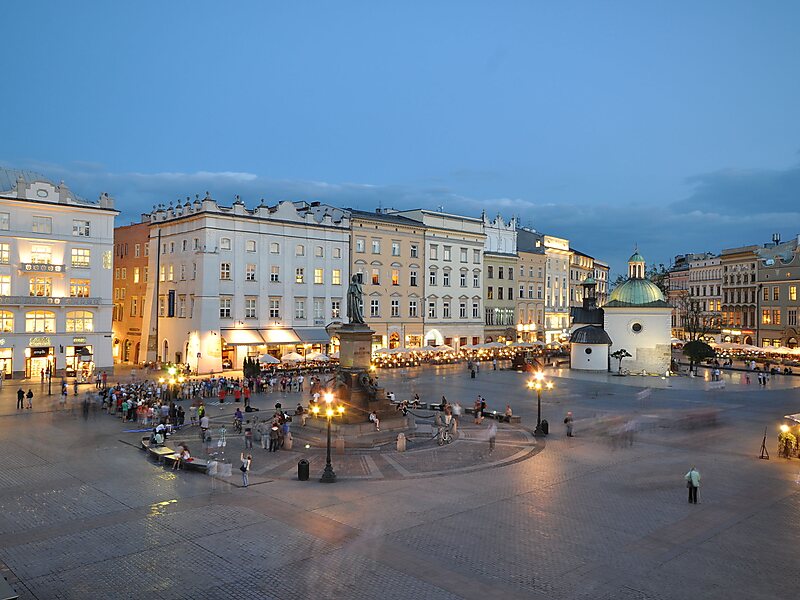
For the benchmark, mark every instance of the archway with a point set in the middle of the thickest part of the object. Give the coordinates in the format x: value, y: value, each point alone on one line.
x: 434, y: 338
x: 394, y: 340
x: 791, y: 342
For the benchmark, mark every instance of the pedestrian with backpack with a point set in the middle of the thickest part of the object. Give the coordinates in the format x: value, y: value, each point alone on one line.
x: 245, y: 468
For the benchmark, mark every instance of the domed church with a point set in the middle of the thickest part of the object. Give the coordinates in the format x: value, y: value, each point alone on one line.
x: 636, y: 318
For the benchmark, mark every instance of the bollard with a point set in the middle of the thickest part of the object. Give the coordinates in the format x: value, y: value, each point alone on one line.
x: 401, y: 442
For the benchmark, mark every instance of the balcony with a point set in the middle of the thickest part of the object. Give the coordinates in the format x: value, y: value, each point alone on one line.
x: 41, y: 268
x: 50, y: 301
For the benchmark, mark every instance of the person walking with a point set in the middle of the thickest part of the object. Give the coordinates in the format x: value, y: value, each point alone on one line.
x: 568, y: 422
x: 245, y: 468
x: 492, y: 435
x: 20, y: 398
x: 693, y: 483
x: 29, y: 396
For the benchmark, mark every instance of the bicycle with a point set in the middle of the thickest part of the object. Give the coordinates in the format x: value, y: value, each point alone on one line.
x: 237, y: 425
x: 443, y: 435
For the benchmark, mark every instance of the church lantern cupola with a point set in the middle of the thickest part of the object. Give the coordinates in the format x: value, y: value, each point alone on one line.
x: 636, y: 266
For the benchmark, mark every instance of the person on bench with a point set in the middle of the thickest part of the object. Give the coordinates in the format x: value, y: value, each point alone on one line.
x: 508, y: 413
x: 183, y: 455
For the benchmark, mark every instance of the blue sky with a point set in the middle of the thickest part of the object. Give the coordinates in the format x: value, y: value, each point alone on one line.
x: 673, y: 125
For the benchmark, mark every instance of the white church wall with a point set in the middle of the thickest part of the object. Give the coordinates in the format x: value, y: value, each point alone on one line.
x: 589, y: 357
x: 645, y: 333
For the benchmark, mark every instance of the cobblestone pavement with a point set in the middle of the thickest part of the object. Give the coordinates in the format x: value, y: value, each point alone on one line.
x: 83, y: 513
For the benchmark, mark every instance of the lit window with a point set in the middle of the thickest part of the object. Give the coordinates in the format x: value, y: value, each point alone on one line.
x: 135, y: 274
x: 79, y: 288
x: 5, y: 253
x: 376, y: 276
x: 319, y: 276
x: 6, y: 322
x: 395, y: 277
x: 299, y: 275
x: 42, y: 254
x: 5, y: 285
x: 40, y: 321
x: 80, y: 321
x: 81, y: 257
x: 41, y: 286
x: 336, y: 278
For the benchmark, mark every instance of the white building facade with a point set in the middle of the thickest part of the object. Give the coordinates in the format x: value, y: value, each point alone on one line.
x: 557, y: 302
x: 231, y: 282
x: 55, y: 280
x: 499, y: 282
x: 454, y: 246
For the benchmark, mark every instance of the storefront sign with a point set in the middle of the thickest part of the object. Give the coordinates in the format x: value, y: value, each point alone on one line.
x: 39, y: 352
x: 40, y: 341
x: 42, y: 268
x: 79, y: 340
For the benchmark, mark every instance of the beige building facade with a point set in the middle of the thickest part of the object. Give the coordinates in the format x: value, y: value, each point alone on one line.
x: 531, y: 266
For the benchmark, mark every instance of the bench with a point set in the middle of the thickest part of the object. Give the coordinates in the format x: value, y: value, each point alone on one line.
x: 195, y: 464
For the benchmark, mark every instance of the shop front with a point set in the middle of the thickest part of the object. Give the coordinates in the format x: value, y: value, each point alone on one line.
x: 6, y: 356
x: 38, y: 360
x: 79, y: 360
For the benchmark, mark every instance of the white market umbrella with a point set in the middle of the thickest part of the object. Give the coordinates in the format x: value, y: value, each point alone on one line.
x: 382, y: 351
x: 427, y: 349
x: 291, y: 357
x: 268, y: 359
x: 444, y: 348
x: 494, y: 345
x: 318, y: 356
x: 335, y: 355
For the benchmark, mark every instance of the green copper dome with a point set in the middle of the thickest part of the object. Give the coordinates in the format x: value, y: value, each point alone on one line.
x: 637, y: 292
x: 636, y: 258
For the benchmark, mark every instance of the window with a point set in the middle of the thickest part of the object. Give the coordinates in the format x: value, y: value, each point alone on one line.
x: 274, y: 308
x: 145, y: 275
x: 170, y: 276
x: 793, y: 293
x: 5, y: 253
x: 395, y: 277
x: 395, y: 248
x: 463, y: 255
x: 79, y: 288
x: 376, y: 276
x: 431, y: 310
x: 250, y: 272
x: 224, y: 307
x: 500, y: 271
x: 183, y: 272
x: 413, y: 278
x: 510, y: 273
x: 300, y: 250
x: 135, y: 274
x: 43, y: 255
x: 336, y: 278
x: 374, y: 308
x: 414, y: 250
x: 225, y: 244
x: 776, y: 317
x: 412, y: 308
x: 462, y: 310
x: 80, y: 321
x: 5, y: 285
x: 6, y: 321
x: 336, y: 309
x: 766, y: 317
x: 395, y: 308
x: 522, y: 292
x: 434, y: 253
x: 181, y: 306
x: 299, y: 308
x: 766, y: 293
x: 41, y: 286
x: 80, y: 228
x: 490, y: 272
x: 299, y: 275
x: 319, y: 276
x: 476, y: 256
x: 172, y: 247
x: 791, y: 318
x: 319, y: 308
x: 476, y: 280
x: 5, y: 221
x: 249, y: 307
x: 274, y: 248
x: 447, y: 253
x: 776, y: 293
x: 274, y: 274
x: 376, y: 246
x: 360, y: 243
x: 40, y: 321
x: 81, y: 257
x: 446, y: 309
x: 116, y: 273
x: 446, y: 279
x: 146, y: 250
x: 510, y: 294
x: 490, y: 293
x: 462, y: 280
x: 225, y: 270
x: 337, y: 253
x: 476, y: 310
x: 432, y: 278
x: 42, y: 224
x: 250, y: 246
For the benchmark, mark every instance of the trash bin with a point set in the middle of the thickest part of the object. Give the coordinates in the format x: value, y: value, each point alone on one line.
x: 545, y: 427
x: 302, y: 470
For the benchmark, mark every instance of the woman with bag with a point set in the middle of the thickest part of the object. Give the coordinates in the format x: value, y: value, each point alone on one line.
x: 246, y: 462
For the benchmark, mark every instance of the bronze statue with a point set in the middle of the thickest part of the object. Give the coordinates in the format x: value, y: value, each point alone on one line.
x: 355, y: 311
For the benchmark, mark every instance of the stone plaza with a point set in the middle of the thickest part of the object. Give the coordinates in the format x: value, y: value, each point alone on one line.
x: 85, y: 514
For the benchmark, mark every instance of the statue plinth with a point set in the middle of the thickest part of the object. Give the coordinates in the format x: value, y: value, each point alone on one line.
x: 355, y: 350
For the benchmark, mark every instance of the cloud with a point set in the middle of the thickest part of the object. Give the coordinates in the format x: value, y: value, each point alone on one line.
x: 744, y: 192
x: 609, y: 231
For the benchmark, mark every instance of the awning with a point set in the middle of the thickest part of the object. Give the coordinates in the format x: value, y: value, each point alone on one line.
x: 279, y: 336
x: 313, y: 335
x: 242, y: 337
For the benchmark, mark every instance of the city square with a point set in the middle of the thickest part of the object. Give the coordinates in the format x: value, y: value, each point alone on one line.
x: 85, y: 511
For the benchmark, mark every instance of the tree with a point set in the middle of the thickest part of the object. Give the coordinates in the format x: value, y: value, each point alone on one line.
x: 696, y: 322
x: 619, y: 355
x: 697, y: 351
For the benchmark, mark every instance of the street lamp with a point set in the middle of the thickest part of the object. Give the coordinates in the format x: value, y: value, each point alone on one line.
x: 538, y: 383
x: 328, y: 476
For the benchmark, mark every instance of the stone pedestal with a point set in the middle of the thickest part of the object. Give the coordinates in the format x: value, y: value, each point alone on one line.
x: 355, y: 350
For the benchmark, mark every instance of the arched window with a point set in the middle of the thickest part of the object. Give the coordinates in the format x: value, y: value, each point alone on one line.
x: 6, y: 321
x: 40, y: 321
x: 80, y: 321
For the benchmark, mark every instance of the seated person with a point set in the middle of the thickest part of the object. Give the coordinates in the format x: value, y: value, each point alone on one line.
x: 508, y: 413
x: 373, y: 416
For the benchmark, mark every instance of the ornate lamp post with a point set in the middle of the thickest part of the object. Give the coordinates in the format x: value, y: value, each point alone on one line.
x: 538, y: 383
x: 328, y: 476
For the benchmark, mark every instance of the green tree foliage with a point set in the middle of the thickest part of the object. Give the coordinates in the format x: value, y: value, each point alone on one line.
x: 619, y: 355
x: 697, y: 351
